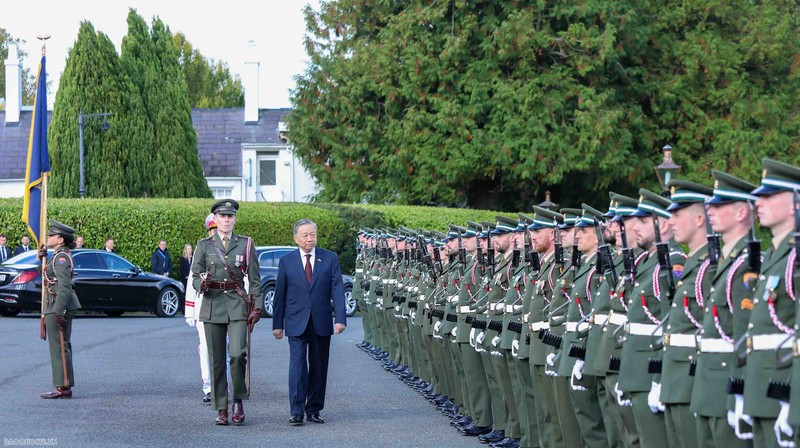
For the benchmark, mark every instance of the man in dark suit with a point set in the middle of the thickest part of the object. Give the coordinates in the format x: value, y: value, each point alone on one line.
x: 24, y: 247
x: 309, y: 279
x: 5, y: 252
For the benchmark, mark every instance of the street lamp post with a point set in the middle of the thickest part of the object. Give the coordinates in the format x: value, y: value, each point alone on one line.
x: 666, y: 168
x: 104, y: 127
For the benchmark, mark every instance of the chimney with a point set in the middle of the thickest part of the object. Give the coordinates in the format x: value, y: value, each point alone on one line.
x: 13, y: 86
x: 250, y: 80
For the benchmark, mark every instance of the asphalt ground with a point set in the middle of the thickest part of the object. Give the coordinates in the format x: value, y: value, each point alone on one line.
x: 138, y: 384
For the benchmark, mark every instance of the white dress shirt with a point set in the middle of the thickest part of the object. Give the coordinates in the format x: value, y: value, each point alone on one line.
x: 303, y: 258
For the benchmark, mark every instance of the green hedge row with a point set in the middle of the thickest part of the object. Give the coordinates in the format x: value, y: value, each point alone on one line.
x: 137, y: 225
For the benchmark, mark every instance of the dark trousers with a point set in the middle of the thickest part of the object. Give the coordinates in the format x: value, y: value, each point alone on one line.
x: 308, y: 371
x: 216, y: 334
x: 54, y: 343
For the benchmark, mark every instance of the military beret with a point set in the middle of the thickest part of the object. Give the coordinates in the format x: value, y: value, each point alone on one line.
x: 57, y: 228
x: 728, y: 188
x: 777, y: 177
x: 225, y: 207
x: 684, y: 193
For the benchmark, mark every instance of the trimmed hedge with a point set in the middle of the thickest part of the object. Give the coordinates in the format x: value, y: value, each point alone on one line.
x: 137, y: 225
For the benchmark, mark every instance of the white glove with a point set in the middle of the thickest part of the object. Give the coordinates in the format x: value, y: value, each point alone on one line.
x: 515, y: 348
x: 654, y: 398
x: 740, y: 417
x: 437, y: 327
x: 479, y: 339
x: 550, y: 361
x: 782, y: 427
x: 577, y: 374
x: 472, y: 334
x: 495, y: 341
x: 454, y: 331
x: 191, y: 321
x: 621, y: 401
x: 413, y: 317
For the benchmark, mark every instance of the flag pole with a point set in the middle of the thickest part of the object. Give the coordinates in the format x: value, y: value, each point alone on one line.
x: 43, y: 219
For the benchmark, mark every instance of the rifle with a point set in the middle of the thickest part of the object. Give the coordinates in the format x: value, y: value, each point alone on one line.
x: 559, y: 251
x: 662, y: 248
x: 489, y: 252
x: 397, y: 252
x: 628, y: 262
x: 515, y: 256
x: 753, y: 245
x: 437, y: 257
x: 462, y: 254
x: 423, y: 249
x: 713, y: 242
x: 605, y: 262
x: 531, y: 257
x: 576, y: 254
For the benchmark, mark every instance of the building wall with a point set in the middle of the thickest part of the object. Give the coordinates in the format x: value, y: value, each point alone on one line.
x: 12, y: 188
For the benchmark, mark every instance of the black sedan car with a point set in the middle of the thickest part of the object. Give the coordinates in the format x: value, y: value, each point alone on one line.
x: 268, y: 257
x: 104, y: 282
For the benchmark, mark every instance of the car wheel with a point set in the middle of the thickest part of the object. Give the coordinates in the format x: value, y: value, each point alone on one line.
x: 269, y: 299
x: 167, y: 303
x: 9, y: 312
x: 115, y: 313
x: 350, y: 304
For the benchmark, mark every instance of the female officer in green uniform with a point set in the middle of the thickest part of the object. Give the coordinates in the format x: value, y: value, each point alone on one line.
x: 60, y: 306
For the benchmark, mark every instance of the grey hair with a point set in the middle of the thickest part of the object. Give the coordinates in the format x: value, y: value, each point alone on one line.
x: 303, y: 222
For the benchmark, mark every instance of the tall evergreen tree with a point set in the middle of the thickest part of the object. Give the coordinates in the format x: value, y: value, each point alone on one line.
x: 210, y: 83
x: 486, y: 104
x: 117, y: 162
x: 151, y: 61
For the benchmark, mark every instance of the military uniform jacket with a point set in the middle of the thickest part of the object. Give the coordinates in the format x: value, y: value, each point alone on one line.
x: 725, y: 317
x: 59, y: 296
x: 645, y: 307
x: 541, y: 294
x: 467, y: 292
x: 608, y: 347
x: 495, y: 288
x: 586, y: 280
x: 685, y: 317
x: 773, y: 313
x: 220, y: 307
x: 512, y: 315
x: 450, y: 310
x: 374, y: 277
x: 557, y: 313
x: 601, y: 306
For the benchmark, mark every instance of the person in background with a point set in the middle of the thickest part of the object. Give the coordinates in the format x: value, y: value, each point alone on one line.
x: 109, y: 247
x: 78, y: 242
x: 24, y: 247
x: 160, y: 261
x: 5, y: 252
x: 186, y: 264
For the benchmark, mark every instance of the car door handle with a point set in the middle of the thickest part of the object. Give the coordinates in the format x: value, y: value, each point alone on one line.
x: 115, y: 275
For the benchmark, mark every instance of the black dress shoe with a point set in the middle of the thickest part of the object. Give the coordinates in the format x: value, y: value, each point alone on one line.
x: 314, y: 418
x: 492, y: 437
x: 461, y: 422
x: 207, y: 398
x: 296, y: 420
x: 474, y: 430
x: 506, y: 443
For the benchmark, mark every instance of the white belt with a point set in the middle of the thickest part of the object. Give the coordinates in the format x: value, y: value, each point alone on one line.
x: 715, y: 346
x: 617, y: 319
x: 422, y: 297
x: 465, y: 309
x: 376, y: 277
x: 536, y: 326
x: 496, y: 306
x: 769, y: 342
x: 572, y: 327
x: 643, y: 329
x: 512, y: 308
x: 526, y: 317
x: 453, y: 298
x: 680, y: 340
x: 600, y: 319
x: 359, y: 271
x: 391, y: 281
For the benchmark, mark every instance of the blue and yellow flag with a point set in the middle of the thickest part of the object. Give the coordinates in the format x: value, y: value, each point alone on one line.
x: 38, y: 160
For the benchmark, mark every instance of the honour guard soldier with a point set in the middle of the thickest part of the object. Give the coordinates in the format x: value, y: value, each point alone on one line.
x: 646, y: 304
x: 689, y: 224
x: 219, y: 268
x: 60, y: 306
x: 726, y: 310
x: 773, y: 316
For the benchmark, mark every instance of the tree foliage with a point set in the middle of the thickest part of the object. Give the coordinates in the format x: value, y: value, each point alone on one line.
x: 118, y: 162
x: 488, y: 104
x: 210, y: 83
x: 28, y: 76
x: 151, y: 61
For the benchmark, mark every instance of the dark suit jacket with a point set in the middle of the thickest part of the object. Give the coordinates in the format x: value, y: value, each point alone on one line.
x: 9, y: 254
x: 296, y: 300
x: 20, y: 250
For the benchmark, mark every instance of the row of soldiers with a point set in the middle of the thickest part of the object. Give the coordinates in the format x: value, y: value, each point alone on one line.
x: 589, y: 328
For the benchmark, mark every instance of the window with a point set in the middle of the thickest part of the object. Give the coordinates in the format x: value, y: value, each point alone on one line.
x: 221, y: 192
x: 265, y: 260
x: 266, y: 172
x: 87, y: 261
x: 115, y: 263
